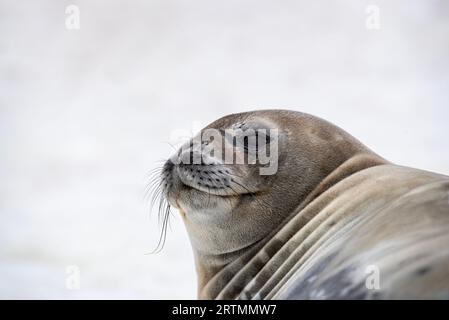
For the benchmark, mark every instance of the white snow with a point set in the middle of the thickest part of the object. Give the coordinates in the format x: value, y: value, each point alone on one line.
x: 85, y: 114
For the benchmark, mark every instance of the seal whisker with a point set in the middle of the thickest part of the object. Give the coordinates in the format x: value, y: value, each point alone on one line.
x: 233, y: 174
x: 153, y: 179
x: 154, y: 191
x: 156, y: 169
x: 152, y: 188
x: 163, y: 234
x: 156, y: 195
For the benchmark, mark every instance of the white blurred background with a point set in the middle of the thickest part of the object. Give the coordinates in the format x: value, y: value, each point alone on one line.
x: 85, y: 114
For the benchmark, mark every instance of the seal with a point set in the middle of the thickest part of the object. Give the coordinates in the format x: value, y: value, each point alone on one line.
x: 333, y: 221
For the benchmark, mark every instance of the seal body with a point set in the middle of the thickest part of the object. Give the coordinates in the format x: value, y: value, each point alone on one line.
x: 386, y: 222
x: 335, y: 221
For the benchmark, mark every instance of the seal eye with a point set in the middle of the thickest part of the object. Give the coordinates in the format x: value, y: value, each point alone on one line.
x: 253, y: 141
x: 248, y: 142
x: 248, y: 136
x: 262, y: 137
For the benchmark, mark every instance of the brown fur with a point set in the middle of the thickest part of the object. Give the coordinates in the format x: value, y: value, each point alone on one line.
x: 271, y: 242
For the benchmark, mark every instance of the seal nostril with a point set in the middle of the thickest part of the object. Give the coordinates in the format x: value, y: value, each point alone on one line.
x: 168, y: 165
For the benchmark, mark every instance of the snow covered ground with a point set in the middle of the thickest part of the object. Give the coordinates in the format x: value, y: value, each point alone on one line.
x: 85, y: 114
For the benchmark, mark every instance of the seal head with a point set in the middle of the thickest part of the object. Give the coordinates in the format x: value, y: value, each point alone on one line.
x: 229, y: 208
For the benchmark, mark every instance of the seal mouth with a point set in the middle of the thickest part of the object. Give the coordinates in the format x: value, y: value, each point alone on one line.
x: 215, y: 194
x: 212, y: 179
x: 215, y: 180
